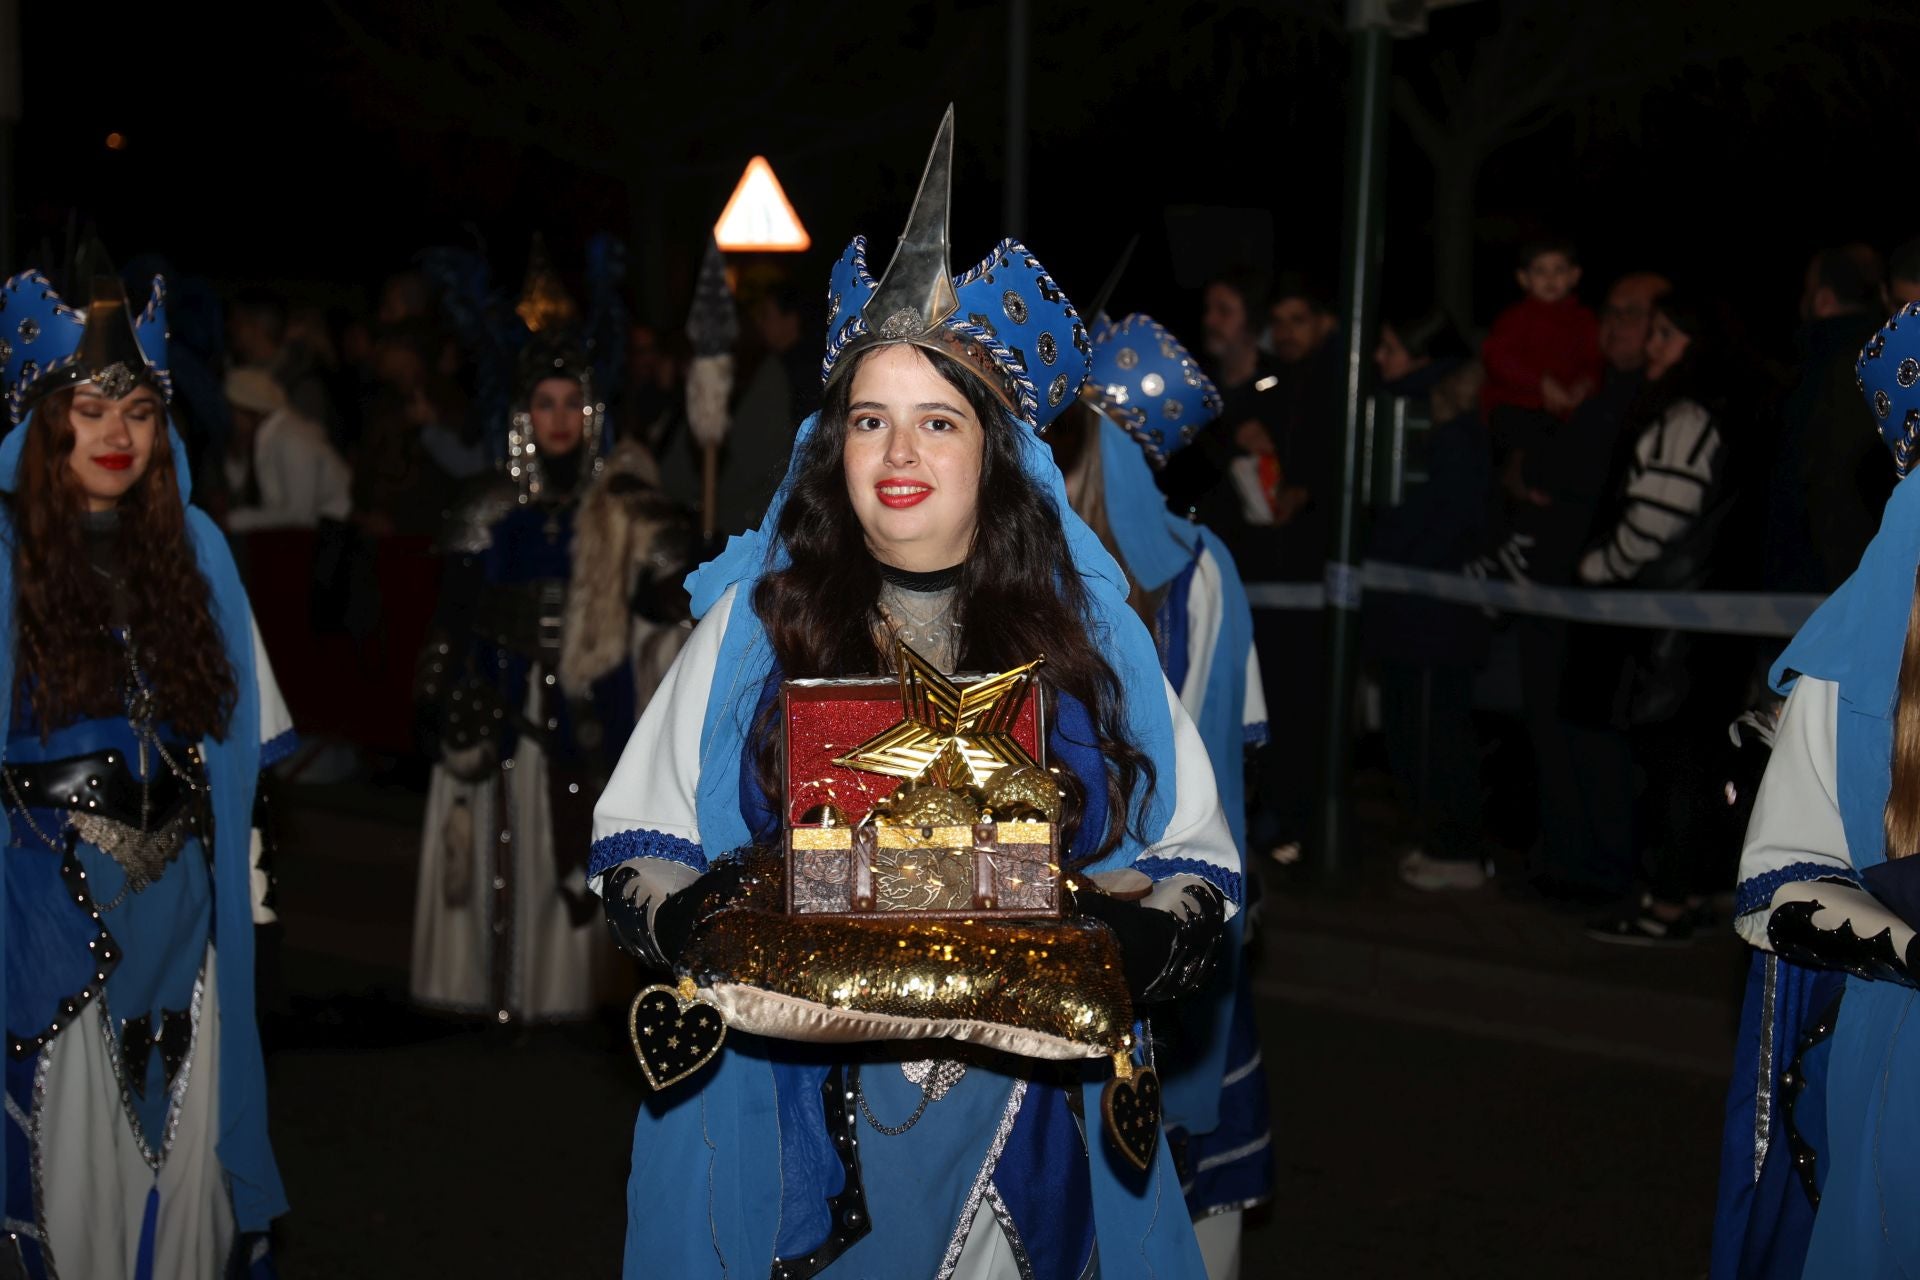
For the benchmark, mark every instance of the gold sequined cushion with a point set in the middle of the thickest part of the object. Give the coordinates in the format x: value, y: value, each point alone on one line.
x: 1048, y: 989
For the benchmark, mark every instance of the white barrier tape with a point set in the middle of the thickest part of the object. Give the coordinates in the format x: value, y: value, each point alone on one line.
x: 1725, y: 612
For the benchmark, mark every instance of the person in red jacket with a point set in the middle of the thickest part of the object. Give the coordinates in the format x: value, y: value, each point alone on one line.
x: 1543, y: 353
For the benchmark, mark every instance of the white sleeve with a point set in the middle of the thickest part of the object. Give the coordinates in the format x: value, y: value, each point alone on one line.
x: 649, y: 807
x: 1796, y: 833
x: 276, y: 722
x: 1203, y: 632
x: 1197, y: 841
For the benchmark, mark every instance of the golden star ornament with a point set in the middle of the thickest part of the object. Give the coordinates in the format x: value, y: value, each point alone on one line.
x: 963, y: 735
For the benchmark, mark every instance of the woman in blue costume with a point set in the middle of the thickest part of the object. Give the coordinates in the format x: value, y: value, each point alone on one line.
x: 141, y: 713
x: 560, y: 611
x: 1144, y: 400
x: 1822, y: 1154
x: 919, y: 504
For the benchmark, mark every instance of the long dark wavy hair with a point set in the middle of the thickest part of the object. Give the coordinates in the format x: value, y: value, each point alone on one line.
x: 1018, y: 595
x: 67, y: 666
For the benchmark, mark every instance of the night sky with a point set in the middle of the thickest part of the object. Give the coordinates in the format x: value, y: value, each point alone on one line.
x: 318, y: 147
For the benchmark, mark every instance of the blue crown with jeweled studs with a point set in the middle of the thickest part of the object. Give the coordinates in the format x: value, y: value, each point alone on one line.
x: 47, y: 346
x: 1888, y: 374
x: 1149, y: 385
x: 1006, y: 319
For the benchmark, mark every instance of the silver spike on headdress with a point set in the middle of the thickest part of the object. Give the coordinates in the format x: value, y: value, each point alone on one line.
x: 109, y: 353
x: 916, y: 294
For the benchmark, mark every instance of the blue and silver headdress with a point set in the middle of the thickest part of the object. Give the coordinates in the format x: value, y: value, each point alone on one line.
x: 48, y: 346
x: 1889, y: 377
x: 1005, y: 319
x: 1149, y: 385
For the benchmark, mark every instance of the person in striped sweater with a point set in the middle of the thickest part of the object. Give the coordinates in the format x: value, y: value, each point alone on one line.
x: 1678, y: 459
x: 1670, y: 694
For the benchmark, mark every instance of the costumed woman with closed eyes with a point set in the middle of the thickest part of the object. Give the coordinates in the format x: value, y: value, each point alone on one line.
x: 140, y: 714
x: 921, y: 506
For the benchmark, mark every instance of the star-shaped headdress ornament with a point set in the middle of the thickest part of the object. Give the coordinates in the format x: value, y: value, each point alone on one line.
x: 949, y: 735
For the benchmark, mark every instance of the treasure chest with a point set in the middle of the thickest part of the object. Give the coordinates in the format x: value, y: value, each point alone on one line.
x: 921, y: 793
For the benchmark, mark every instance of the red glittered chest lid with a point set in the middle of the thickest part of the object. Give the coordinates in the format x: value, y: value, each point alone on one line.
x: 829, y: 718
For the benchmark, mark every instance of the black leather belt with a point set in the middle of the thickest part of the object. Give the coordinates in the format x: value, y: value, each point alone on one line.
x: 101, y: 784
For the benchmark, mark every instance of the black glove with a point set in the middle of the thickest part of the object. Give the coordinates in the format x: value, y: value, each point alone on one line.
x: 658, y: 942
x: 1164, y: 955
x: 1862, y: 947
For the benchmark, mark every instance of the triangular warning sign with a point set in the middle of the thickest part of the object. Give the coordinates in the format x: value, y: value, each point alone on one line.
x: 758, y: 218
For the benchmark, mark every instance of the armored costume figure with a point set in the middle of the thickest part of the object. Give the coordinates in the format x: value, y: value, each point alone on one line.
x: 560, y: 611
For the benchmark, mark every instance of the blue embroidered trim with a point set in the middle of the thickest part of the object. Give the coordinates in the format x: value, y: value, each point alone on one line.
x: 278, y: 748
x: 1227, y: 882
x: 1257, y: 734
x: 611, y: 851
x: 1757, y: 891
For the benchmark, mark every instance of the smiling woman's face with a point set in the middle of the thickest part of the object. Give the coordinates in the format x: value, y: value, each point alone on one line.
x: 912, y: 458
x: 113, y: 442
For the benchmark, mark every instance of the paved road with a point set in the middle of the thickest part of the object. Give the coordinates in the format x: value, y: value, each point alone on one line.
x: 413, y: 1146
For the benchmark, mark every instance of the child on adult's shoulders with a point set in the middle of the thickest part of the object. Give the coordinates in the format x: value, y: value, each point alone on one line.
x: 1542, y: 356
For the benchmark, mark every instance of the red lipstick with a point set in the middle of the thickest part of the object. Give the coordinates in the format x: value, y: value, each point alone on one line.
x: 113, y: 461
x: 900, y: 494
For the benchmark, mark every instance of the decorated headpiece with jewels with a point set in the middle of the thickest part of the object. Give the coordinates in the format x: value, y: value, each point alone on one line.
x: 551, y: 354
x: 1889, y: 376
x: 48, y: 346
x: 1005, y: 319
x: 1149, y: 385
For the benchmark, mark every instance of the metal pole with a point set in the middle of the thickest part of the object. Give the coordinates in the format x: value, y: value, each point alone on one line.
x: 1013, y: 214
x: 10, y: 105
x: 1366, y: 173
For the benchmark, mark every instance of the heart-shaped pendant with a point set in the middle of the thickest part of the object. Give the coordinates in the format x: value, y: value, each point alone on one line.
x: 1131, y: 1109
x: 674, y: 1033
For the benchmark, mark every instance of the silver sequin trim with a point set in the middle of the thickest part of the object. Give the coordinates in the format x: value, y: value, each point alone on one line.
x: 1907, y: 372
x: 979, y: 1188
x: 1240, y: 1152
x: 1236, y: 1206
x: 175, y: 1096
x: 1004, y: 1217
x: 935, y: 1076
x: 1049, y: 349
x: 1126, y: 357
x: 1763, y: 1077
x: 1015, y: 306
x: 1241, y: 1072
x: 1057, y: 392
x: 1882, y: 403
x: 36, y: 1146
x: 29, y: 329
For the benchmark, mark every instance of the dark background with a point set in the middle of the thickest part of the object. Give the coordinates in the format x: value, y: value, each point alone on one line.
x: 320, y: 146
